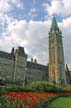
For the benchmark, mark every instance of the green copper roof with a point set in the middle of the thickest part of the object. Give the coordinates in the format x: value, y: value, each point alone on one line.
x: 54, y: 24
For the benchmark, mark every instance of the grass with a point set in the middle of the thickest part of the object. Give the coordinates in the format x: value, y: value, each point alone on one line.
x: 61, y: 102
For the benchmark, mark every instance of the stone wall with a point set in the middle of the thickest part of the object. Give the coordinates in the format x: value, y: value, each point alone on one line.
x: 6, y: 69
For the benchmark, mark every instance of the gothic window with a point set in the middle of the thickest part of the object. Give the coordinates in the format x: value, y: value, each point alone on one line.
x: 53, y: 55
x: 60, y: 55
x: 59, y: 40
x: 53, y: 72
x: 53, y: 39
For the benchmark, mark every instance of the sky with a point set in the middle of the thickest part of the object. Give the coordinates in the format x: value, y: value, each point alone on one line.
x: 27, y: 23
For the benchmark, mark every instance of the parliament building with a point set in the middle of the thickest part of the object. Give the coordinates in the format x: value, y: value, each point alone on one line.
x: 14, y: 67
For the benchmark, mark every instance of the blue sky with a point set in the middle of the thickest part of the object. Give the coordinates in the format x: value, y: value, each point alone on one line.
x: 30, y: 10
x: 29, y: 7
x: 27, y: 23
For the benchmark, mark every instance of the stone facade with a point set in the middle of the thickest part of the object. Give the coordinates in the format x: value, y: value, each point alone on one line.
x: 37, y: 72
x: 14, y: 68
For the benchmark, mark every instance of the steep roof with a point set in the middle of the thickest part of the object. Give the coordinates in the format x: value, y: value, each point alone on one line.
x: 54, y: 25
x: 4, y: 55
x: 36, y: 66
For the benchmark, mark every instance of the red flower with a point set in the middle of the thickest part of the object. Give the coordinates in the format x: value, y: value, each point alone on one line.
x: 32, y: 98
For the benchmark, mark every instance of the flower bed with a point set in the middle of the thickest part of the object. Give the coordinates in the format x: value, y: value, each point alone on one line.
x: 30, y: 99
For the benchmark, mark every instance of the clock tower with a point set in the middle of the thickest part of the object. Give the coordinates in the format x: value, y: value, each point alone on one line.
x: 56, y: 55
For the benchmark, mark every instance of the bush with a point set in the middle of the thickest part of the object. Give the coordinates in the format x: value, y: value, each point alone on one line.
x: 14, y: 88
x: 45, y: 86
x: 34, y: 87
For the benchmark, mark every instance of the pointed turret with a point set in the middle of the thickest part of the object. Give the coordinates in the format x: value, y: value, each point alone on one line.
x: 12, y: 53
x: 67, y: 70
x: 67, y: 67
x: 54, y: 26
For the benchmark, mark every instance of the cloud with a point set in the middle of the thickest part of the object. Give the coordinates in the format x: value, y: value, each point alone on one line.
x: 33, y: 36
x: 7, y: 5
x: 4, y: 6
x: 58, y: 7
x: 17, y: 3
x: 20, y: 5
x: 32, y: 12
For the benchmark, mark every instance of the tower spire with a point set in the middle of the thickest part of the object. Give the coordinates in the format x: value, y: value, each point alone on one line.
x: 54, y: 25
x: 56, y: 55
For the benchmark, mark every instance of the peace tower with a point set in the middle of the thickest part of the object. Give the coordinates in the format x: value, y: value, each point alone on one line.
x: 56, y: 55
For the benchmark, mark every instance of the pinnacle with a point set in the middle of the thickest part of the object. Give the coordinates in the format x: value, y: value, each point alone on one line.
x: 54, y: 24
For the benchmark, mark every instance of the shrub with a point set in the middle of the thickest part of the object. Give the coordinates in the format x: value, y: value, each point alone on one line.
x: 45, y: 86
x: 34, y: 87
x: 14, y: 88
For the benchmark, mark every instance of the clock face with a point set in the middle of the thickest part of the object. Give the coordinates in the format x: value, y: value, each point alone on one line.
x: 56, y: 31
x: 53, y: 32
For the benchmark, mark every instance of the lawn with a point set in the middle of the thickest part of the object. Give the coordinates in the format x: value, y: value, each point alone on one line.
x: 62, y: 102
